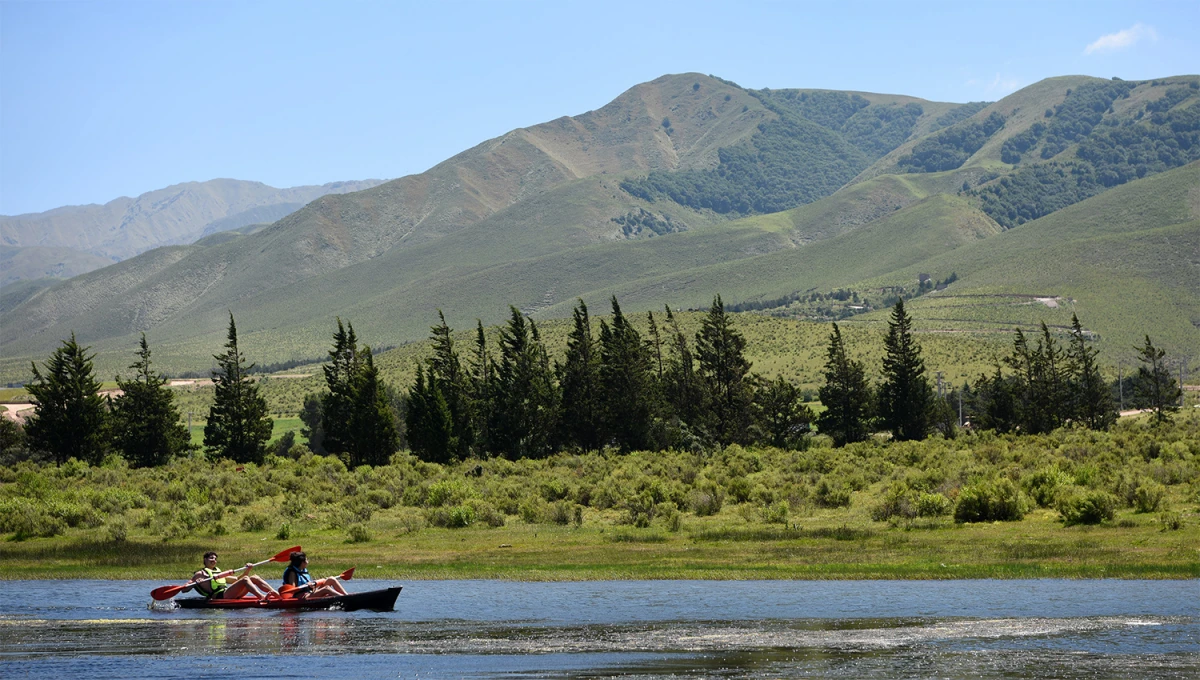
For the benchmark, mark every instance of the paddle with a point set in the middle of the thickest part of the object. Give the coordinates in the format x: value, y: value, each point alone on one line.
x: 167, y: 592
x: 289, y: 589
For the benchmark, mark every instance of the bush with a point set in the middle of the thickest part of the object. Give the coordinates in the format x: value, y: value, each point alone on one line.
x: 776, y: 513
x: 1091, y: 507
x: 446, y: 492
x: 933, y: 505
x: 1148, y: 495
x: 117, y: 530
x: 739, y: 489
x: 706, y: 499
x: 1170, y: 521
x: 897, y: 501
x: 832, y: 494
x: 991, y: 501
x: 560, y: 513
x: 255, y: 521
x: 1043, y: 485
x: 285, y: 532
x: 359, y: 534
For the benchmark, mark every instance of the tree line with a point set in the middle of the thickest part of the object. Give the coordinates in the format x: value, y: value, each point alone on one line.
x: 616, y: 389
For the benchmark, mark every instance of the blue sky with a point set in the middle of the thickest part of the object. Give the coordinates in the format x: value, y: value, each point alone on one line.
x: 105, y: 99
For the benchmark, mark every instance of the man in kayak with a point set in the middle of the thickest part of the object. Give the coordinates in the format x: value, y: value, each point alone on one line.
x: 297, y: 575
x: 212, y: 584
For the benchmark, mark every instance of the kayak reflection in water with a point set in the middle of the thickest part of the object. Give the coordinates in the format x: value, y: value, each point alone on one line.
x: 297, y: 575
x: 214, y: 584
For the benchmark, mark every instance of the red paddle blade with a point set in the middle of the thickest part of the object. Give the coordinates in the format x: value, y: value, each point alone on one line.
x: 166, y: 592
x: 347, y: 575
x: 286, y: 555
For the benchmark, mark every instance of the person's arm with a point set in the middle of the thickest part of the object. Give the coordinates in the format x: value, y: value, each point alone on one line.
x: 192, y: 583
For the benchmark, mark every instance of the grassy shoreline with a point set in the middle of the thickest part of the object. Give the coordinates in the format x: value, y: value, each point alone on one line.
x: 1036, y: 547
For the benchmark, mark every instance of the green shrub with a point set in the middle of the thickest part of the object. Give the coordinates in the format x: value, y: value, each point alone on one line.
x: 446, y: 492
x: 1043, y: 485
x: 739, y: 489
x: 898, y: 501
x: 487, y: 513
x: 706, y: 499
x: 991, y: 501
x: 933, y: 505
x: 116, y: 529
x: 1170, y: 521
x: 285, y: 532
x: 532, y: 511
x: 832, y: 494
x: 1091, y: 507
x: 255, y: 522
x: 560, y: 513
x: 776, y: 513
x: 1148, y: 495
x: 359, y: 534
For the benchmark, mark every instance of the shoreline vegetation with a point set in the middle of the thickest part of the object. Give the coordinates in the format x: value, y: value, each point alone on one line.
x: 1072, y: 503
x: 634, y: 457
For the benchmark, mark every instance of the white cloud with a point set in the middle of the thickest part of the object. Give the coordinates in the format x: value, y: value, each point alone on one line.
x: 1122, y: 39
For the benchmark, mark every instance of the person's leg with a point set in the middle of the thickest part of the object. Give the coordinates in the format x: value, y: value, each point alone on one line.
x: 332, y: 584
x: 261, y: 584
x: 237, y: 590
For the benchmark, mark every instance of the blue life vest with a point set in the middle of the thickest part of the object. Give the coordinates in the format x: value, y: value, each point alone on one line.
x: 302, y: 577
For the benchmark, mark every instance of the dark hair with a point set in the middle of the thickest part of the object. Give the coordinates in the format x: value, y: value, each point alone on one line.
x: 210, y: 553
x: 298, y: 558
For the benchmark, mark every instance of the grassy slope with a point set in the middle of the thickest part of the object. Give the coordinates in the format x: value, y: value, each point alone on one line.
x: 1126, y: 259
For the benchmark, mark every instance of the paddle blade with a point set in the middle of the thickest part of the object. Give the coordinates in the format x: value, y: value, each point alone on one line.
x: 347, y: 575
x: 166, y: 592
x: 286, y: 555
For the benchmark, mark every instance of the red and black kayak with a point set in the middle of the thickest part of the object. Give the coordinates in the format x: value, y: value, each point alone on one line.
x: 375, y: 600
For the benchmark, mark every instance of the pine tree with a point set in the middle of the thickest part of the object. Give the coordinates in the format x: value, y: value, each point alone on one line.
x: 312, y: 414
x: 146, y: 425
x: 446, y: 367
x: 430, y: 427
x: 993, y: 403
x: 239, y: 425
x: 845, y: 395
x: 905, y: 395
x: 1093, y: 403
x: 781, y: 415
x: 681, y: 386
x: 625, y: 378
x: 481, y: 384
x: 1154, y: 388
x: 1041, y: 396
x: 721, y: 351
x: 337, y: 405
x: 375, y: 438
x: 579, y: 377
x: 70, y: 420
x: 524, y: 400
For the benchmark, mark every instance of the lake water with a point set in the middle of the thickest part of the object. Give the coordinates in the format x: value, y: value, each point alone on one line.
x: 647, y: 629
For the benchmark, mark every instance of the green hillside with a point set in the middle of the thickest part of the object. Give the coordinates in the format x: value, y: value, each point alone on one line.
x: 639, y: 199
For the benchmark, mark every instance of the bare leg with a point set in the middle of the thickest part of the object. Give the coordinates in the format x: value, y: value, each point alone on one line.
x: 261, y: 585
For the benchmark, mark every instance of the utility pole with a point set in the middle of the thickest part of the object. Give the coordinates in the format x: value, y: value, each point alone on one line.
x: 960, y: 413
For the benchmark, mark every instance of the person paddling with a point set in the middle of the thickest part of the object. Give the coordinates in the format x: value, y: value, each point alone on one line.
x: 213, y: 584
x: 297, y: 575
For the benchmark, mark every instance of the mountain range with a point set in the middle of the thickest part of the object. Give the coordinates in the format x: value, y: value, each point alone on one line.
x: 1074, y: 194
x: 73, y: 240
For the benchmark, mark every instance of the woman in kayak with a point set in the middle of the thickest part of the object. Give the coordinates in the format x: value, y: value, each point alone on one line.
x: 297, y: 575
x: 211, y: 584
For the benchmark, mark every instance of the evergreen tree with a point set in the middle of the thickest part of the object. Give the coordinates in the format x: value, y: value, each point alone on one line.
x: 146, y: 425
x: 430, y: 426
x: 625, y: 378
x: 905, y: 395
x: 452, y: 380
x: 239, y: 424
x: 70, y: 420
x: 681, y: 386
x: 579, y: 377
x: 481, y: 379
x: 524, y: 400
x: 993, y: 403
x: 312, y: 414
x: 1093, y: 402
x: 375, y: 438
x: 845, y: 395
x: 1041, y: 396
x: 337, y: 405
x: 1154, y: 388
x: 780, y: 414
x: 721, y: 351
